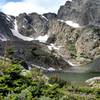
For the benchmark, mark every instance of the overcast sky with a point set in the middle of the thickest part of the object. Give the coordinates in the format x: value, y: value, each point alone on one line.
x: 14, y: 7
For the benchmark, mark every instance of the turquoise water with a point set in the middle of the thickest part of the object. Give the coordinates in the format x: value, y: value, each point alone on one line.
x: 72, y: 76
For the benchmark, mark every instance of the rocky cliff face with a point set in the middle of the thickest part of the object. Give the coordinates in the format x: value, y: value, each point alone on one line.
x: 73, y: 33
x: 85, y: 12
x: 71, y: 10
x: 5, y: 32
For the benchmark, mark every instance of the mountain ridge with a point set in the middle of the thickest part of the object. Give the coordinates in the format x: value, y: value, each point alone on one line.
x: 72, y: 33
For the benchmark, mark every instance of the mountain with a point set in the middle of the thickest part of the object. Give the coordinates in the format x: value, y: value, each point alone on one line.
x: 72, y: 36
x: 84, y: 12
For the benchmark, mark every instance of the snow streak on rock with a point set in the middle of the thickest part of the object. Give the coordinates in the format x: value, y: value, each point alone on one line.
x: 17, y: 34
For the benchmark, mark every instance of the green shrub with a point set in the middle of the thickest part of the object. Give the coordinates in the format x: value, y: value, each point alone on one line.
x: 57, y: 80
x: 72, y: 49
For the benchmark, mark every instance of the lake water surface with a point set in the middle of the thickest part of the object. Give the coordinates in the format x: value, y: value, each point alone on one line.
x: 72, y: 76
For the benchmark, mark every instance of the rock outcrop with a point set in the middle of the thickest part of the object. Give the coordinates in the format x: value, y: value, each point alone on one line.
x: 93, y: 82
x: 5, y: 32
x: 32, y: 24
x: 85, y: 12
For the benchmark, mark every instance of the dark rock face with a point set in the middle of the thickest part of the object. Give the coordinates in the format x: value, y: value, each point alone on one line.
x: 85, y: 12
x: 24, y: 25
x: 35, y: 53
x: 5, y: 32
x: 50, y: 16
x: 90, y: 13
x: 32, y: 24
x: 51, y: 39
x: 70, y: 11
x: 39, y: 23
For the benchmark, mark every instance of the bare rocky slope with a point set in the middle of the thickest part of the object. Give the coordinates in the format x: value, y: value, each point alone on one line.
x: 72, y: 35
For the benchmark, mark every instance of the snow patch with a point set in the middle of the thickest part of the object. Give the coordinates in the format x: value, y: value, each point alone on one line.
x: 71, y: 23
x: 52, y: 46
x: 17, y: 34
x: 44, y: 17
x: 42, y: 38
x: 16, y: 27
x: 51, y: 69
x: 2, y: 37
x: 70, y: 63
x: 61, y: 21
x: 23, y: 26
x: 8, y: 18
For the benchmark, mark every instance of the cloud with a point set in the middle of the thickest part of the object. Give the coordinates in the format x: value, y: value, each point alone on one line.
x: 28, y: 6
x: 1, y: 3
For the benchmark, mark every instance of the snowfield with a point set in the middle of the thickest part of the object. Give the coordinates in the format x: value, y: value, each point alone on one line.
x: 52, y: 46
x: 25, y: 38
x: 17, y: 34
x: 2, y: 37
x: 71, y: 23
x: 42, y: 39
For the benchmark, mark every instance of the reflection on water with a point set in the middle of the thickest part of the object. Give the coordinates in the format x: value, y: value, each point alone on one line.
x: 79, y: 74
x: 73, y: 77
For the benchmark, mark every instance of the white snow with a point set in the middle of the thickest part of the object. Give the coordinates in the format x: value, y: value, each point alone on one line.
x: 52, y: 46
x: 70, y: 23
x: 16, y: 27
x: 23, y: 26
x: 42, y: 39
x: 70, y: 63
x: 8, y: 18
x: 51, y: 69
x: 3, y: 38
x: 44, y: 17
x: 17, y: 34
x: 61, y: 21
x: 73, y: 24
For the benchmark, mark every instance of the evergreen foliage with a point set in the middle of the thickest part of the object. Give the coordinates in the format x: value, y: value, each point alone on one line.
x: 16, y: 83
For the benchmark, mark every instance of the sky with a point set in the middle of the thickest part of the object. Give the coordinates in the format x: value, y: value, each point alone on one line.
x: 15, y: 7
